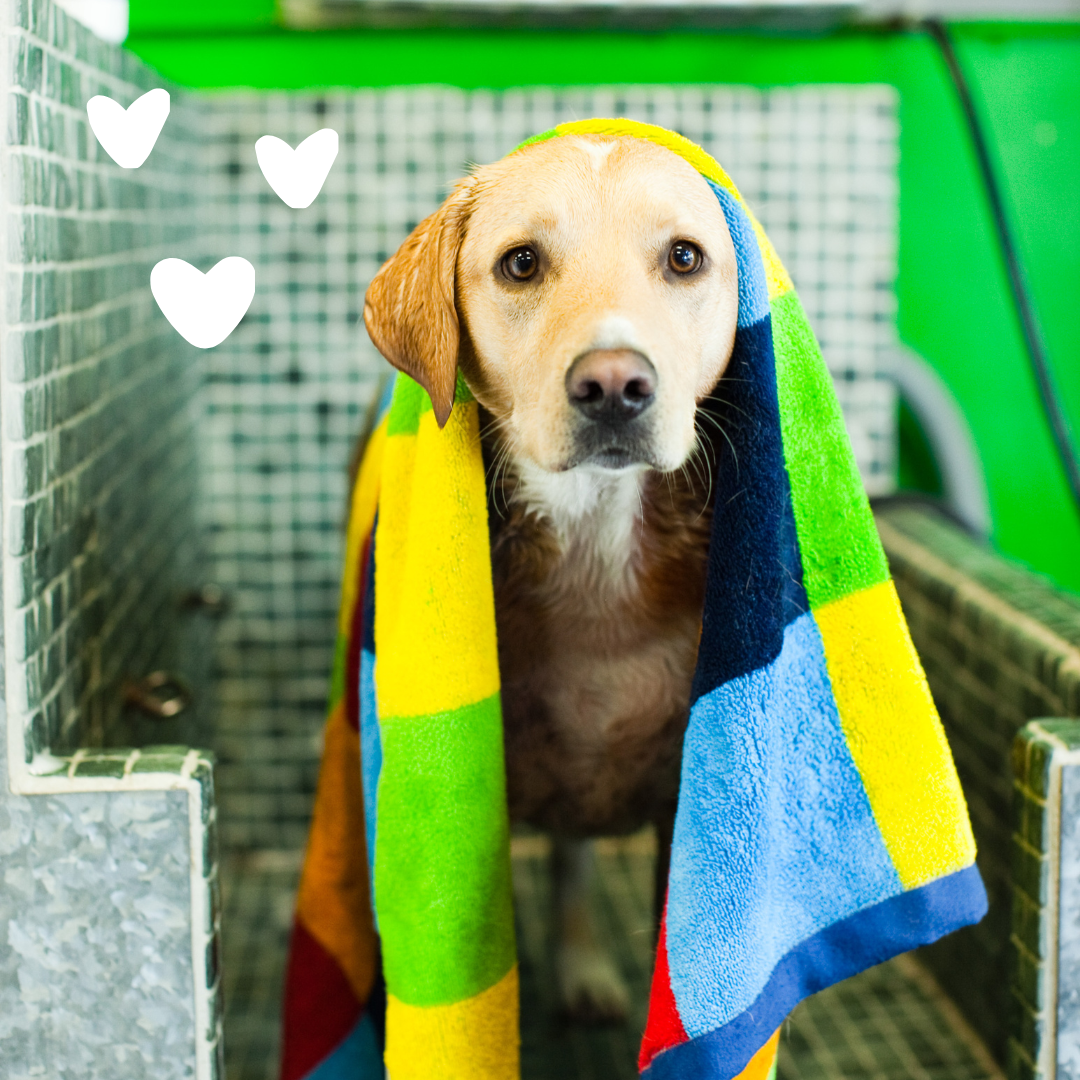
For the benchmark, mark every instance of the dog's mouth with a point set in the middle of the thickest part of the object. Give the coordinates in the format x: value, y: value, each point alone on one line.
x: 610, y: 450
x: 614, y: 457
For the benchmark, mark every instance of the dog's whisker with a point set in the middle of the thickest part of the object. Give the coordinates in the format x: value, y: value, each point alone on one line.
x: 734, y: 453
x: 711, y: 419
x: 699, y: 451
x: 508, y: 472
x: 687, y: 477
x: 670, y: 490
x: 493, y: 468
x: 497, y: 486
x: 692, y: 459
x: 493, y: 423
x: 504, y: 465
x: 691, y: 462
x: 727, y: 404
x: 708, y: 493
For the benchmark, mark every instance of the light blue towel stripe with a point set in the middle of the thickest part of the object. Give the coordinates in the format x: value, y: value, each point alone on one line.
x: 753, y: 291
x: 774, y: 838
x: 370, y: 754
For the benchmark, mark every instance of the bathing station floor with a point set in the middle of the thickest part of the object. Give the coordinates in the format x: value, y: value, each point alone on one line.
x: 890, y: 1023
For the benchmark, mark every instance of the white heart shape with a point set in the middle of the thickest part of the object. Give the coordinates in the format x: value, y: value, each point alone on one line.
x: 203, y: 308
x: 297, y: 175
x: 128, y: 135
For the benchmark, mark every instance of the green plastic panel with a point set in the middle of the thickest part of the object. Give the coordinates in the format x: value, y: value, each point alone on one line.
x: 953, y: 304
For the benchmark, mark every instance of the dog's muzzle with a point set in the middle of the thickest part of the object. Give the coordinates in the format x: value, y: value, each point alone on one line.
x: 610, y: 389
x: 611, y: 386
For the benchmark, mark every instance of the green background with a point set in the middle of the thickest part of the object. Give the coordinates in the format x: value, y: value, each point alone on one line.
x: 954, y: 307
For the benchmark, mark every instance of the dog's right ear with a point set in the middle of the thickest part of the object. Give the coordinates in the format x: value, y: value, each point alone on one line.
x: 409, y: 309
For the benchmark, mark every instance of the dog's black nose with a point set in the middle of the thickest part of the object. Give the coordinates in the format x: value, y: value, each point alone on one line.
x: 611, y: 384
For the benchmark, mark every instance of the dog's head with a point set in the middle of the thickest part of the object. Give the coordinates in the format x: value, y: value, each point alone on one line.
x: 586, y: 286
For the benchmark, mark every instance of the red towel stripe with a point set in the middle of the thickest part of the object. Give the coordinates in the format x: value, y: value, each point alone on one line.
x: 320, y: 1007
x: 664, y: 1028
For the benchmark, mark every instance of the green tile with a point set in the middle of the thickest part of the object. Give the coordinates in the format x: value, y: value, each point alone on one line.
x: 1066, y: 730
x: 1028, y: 922
x: 112, y: 767
x: 163, y: 763
x: 1030, y: 818
x: 1030, y: 1027
x: 1020, y: 756
x: 1028, y: 977
x: 1030, y: 872
x: 1039, y: 756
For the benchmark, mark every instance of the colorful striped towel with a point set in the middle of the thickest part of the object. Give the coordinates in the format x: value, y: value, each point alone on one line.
x: 820, y: 830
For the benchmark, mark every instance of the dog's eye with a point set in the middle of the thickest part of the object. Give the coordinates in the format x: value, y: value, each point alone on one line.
x: 684, y: 257
x: 520, y: 264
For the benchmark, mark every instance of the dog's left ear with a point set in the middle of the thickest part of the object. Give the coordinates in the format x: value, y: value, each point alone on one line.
x: 409, y: 309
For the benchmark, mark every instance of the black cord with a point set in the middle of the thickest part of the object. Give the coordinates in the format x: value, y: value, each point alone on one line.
x: 1029, y: 326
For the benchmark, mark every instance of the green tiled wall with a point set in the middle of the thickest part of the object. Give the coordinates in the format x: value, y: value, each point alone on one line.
x: 1000, y: 646
x: 108, y: 903
x: 100, y: 453
x: 1044, y: 983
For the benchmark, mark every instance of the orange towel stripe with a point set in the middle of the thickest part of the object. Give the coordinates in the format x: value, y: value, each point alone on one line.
x: 334, y: 900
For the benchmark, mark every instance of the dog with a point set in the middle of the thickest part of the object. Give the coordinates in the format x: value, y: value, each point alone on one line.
x: 586, y: 290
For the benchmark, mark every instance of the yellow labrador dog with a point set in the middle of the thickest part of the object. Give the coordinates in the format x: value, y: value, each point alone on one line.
x: 586, y: 288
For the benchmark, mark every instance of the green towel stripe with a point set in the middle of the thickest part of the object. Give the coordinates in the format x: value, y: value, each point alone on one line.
x: 542, y: 137
x: 462, y: 394
x: 841, y: 552
x: 411, y: 401
x: 442, y: 862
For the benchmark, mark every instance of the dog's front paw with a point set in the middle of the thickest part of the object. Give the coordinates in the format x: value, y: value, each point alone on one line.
x: 590, y: 986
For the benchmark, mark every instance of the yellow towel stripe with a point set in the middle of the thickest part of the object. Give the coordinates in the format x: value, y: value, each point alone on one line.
x: 895, y: 735
x: 688, y: 151
x: 776, y: 276
x: 392, y: 533
x: 437, y: 535
x: 475, y: 1039
x: 364, y: 503
x: 763, y: 1064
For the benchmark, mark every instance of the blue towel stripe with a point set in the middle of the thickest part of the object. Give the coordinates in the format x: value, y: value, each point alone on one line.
x: 836, y: 952
x: 756, y: 589
x: 357, y: 1055
x: 370, y: 752
x: 774, y: 837
x: 753, y: 290
x: 370, y: 733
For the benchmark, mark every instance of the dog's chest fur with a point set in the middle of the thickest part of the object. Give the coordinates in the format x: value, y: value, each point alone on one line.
x: 599, y: 585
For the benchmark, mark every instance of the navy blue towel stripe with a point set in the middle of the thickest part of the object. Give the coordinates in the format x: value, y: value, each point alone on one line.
x: 841, y: 950
x: 755, y: 583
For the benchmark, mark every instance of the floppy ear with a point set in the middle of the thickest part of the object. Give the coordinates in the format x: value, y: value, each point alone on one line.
x: 409, y: 308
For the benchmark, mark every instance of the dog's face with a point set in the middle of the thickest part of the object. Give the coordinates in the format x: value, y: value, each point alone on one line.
x: 595, y: 279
